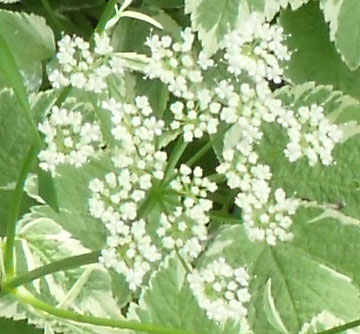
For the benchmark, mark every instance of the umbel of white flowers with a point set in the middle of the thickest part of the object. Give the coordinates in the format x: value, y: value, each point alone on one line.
x: 221, y: 290
x: 184, y: 229
x: 116, y: 198
x: 79, y: 67
x: 69, y: 139
x: 240, y: 97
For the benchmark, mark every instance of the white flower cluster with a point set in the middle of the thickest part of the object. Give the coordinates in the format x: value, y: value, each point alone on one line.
x: 136, y: 132
x: 129, y: 251
x: 181, y: 69
x: 116, y: 199
x: 256, y: 49
x: 185, y: 228
x: 271, y: 221
x: 263, y: 221
x: 247, y: 105
x: 69, y: 139
x: 83, y: 68
x: 323, y: 321
x: 243, y: 171
x: 221, y: 290
x: 311, y: 134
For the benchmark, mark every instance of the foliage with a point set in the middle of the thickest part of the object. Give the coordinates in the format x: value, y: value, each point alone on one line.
x: 179, y: 167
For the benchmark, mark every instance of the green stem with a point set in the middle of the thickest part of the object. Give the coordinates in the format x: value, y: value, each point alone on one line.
x: 62, y: 265
x: 57, y: 25
x: 14, y: 212
x: 175, y: 157
x: 207, y: 146
x: 186, y: 266
x: 106, y: 15
x: 65, y: 92
x: 86, y: 319
x: 224, y: 219
x: 146, y: 207
x: 341, y: 328
x: 217, y: 178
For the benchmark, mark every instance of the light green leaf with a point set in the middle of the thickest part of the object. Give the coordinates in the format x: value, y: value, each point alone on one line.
x: 41, y: 240
x: 126, y: 28
x: 344, y: 19
x: 213, y: 18
x: 72, y: 188
x: 332, y: 184
x: 271, y: 311
x: 15, y: 132
x: 307, y: 276
x: 30, y: 42
x: 314, y: 56
x: 168, y: 301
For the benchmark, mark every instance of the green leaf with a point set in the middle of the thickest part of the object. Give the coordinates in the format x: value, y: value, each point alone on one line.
x: 75, y: 5
x: 15, y: 132
x: 168, y: 301
x: 314, y: 56
x: 307, y: 276
x: 127, y: 27
x: 47, y: 189
x: 30, y: 41
x: 41, y: 240
x: 213, y: 19
x: 344, y: 19
x: 165, y: 3
x: 34, y: 39
x: 324, y: 184
x: 157, y: 93
x: 19, y: 327
x: 72, y: 188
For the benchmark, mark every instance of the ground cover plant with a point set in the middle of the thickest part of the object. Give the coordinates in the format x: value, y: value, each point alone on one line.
x: 179, y: 166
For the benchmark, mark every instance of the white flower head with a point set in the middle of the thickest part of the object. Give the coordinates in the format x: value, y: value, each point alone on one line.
x: 80, y: 67
x: 69, y: 139
x: 221, y: 290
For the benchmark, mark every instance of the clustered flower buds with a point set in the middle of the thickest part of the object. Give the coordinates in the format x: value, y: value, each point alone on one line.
x: 116, y: 199
x: 185, y: 228
x: 221, y: 290
x: 80, y: 67
x: 240, y: 99
x: 311, y: 135
x: 256, y: 49
x: 181, y: 69
x: 129, y: 250
x: 271, y: 221
x: 69, y: 139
